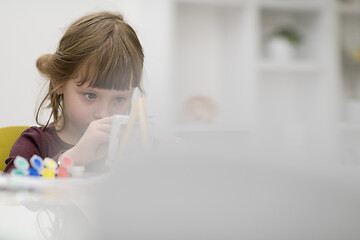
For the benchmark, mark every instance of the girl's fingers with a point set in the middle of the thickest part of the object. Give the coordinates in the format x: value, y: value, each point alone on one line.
x: 105, y: 128
x: 105, y: 120
x: 101, y: 137
x: 103, y: 124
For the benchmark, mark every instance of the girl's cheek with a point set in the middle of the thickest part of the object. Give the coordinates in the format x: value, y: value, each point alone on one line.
x: 121, y: 108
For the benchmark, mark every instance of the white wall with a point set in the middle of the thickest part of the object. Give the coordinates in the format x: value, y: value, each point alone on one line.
x: 28, y: 30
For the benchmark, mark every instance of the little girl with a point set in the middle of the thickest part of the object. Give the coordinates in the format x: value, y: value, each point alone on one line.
x: 93, y: 73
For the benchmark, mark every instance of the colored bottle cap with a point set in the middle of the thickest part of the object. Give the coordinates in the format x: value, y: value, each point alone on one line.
x: 50, y: 163
x: 66, y: 162
x: 62, y: 172
x: 17, y: 172
x: 21, y: 164
x: 33, y: 172
x: 36, y: 162
x: 48, y: 173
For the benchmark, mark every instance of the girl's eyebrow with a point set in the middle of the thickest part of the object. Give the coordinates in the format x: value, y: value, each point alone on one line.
x: 84, y: 87
x: 89, y: 88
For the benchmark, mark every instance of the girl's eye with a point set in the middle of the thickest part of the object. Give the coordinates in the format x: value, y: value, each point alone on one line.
x: 90, y: 96
x: 119, y: 99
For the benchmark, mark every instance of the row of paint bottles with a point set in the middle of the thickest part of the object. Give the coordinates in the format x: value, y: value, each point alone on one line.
x: 47, y: 167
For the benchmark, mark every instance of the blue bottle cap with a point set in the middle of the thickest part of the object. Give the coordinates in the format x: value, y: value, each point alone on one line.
x: 21, y: 164
x: 37, y: 162
x: 33, y: 172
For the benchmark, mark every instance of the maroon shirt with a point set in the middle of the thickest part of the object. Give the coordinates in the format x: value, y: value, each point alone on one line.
x: 35, y: 140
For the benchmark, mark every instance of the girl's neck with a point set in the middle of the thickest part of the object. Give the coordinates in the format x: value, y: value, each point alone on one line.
x: 67, y: 133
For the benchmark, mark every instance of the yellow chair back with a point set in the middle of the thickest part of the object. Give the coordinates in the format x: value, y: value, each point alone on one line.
x: 8, y: 136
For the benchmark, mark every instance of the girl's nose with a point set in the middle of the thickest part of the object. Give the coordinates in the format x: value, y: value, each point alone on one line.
x: 102, y: 111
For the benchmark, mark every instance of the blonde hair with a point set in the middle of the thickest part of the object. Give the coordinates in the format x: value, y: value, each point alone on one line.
x: 103, y: 48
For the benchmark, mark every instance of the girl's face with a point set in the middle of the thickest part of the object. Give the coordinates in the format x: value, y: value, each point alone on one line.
x: 84, y: 104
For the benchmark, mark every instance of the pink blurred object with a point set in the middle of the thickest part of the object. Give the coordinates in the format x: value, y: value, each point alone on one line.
x: 200, y: 109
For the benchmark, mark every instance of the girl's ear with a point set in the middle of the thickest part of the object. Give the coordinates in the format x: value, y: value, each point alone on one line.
x: 59, y: 87
x: 60, y: 90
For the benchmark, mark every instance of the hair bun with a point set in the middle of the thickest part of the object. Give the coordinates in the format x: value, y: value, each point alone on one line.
x: 43, y: 63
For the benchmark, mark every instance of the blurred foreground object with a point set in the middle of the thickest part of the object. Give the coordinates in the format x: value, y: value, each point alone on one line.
x: 207, y: 196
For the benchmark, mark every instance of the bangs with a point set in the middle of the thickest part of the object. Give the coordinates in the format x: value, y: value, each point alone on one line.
x: 112, y: 67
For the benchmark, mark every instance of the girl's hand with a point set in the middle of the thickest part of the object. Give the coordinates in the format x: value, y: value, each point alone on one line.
x: 91, y: 145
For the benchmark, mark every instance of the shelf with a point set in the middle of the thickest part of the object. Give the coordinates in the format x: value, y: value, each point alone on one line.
x: 208, y: 127
x: 294, y: 66
x: 349, y: 9
x: 297, y: 6
x: 221, y: 3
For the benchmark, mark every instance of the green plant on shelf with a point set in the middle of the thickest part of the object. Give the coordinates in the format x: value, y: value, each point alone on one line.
x: 290, y: 34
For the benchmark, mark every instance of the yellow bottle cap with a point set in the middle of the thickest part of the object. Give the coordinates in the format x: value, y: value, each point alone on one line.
x: 50, y: 163
x: 48, y: 173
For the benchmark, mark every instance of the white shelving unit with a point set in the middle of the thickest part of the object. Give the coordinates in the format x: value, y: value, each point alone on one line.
x: 219, y: 52
x: 210, y: 47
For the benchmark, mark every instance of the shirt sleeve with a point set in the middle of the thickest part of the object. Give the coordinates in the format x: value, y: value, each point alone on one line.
x: 25, y: 146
